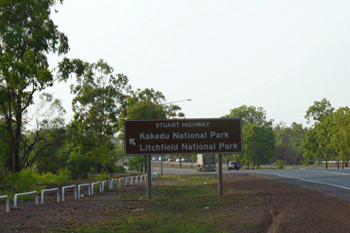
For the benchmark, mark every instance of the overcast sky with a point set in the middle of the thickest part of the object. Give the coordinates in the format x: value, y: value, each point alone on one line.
x: 280, y: 55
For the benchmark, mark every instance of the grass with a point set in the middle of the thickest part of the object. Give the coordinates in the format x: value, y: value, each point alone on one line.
x: 175, y: 165
x: 187, y: 204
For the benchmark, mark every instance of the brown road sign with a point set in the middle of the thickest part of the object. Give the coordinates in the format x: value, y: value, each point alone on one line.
x: 183, y: 136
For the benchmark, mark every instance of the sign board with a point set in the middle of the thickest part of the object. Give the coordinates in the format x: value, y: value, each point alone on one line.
x: 183, y: 136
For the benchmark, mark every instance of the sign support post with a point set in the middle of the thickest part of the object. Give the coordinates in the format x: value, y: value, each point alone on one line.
x: 149, y: 177
x: 220, y: 176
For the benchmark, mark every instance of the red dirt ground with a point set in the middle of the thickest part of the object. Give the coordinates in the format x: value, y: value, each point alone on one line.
x: 271, y: 206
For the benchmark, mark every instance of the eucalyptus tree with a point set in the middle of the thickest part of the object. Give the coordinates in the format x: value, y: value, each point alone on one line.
x: 289, y: 142
x: 141, y: 99
x: 258, y: 136
x: 318, y: 139
x: 27, y: 36
x: 4, y: 144
x: 248, y: 114
x: 311, y: 148
x: 297, y: 141
x: 259, y: 144
x: 319, y: 110
x: 99, y: 98
x: 317, y: 143
x: 340, y: 134
x: 146, y: 104
x: 41, y: 144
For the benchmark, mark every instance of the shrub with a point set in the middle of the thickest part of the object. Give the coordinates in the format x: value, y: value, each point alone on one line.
x: 136, y: 163
x: 119, y: 169
x: 103, y: 175
x: 279, y: 164
x: 28, y: 179
x: 112, y: 168
x: 21, y: 181
x: 79, y: 164
x: 63, y: 176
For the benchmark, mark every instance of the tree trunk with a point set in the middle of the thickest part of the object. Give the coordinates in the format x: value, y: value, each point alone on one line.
x: 17, y: 138
x: 98, y: 167
x: 11, y: 163
x: 326, y: 164
x: 145, y: 156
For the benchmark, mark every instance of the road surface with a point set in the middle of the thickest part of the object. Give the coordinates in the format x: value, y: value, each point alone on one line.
x: 332, y: 177
x: 328, y: 181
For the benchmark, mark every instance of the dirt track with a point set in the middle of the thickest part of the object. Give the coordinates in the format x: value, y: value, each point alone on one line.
x: 271, y: 206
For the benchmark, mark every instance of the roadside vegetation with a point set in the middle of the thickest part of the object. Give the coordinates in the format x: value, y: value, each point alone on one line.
x: 279, y: 164
x: 186, y: 204
x: 30, y: 180
x: 36, y: 139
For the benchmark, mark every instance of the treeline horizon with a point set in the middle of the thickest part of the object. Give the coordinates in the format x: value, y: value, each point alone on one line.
x: 104, y: 99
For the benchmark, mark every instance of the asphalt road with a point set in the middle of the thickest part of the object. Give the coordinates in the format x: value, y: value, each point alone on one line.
x: 328, y: 181
x: 332, y: 177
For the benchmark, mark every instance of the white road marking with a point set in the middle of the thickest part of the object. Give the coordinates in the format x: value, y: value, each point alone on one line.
x: 310, y: 181
x: 337, y: 173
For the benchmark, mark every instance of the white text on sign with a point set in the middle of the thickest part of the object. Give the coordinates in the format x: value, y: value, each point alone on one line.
x: 186, y: 135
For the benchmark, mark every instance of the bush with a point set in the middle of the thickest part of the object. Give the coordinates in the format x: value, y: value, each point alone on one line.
x: 2, y: 177
x: 92, y: 171
x: 119, y: 169
x: 79, y: 165
x: 136, y: 163
x: 63, y: 176
x: 104, y: 175
x: 116, y: 169
x: 279, y: 164
x: 26, y: 180
x: 21, y: 181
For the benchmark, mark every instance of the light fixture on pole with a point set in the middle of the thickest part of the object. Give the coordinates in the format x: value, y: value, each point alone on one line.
x: 177, y: 101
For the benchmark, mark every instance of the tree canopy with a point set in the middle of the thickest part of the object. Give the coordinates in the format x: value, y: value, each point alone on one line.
x: 99, y: 99
x: 328, y: 139
x: 142, y: 105
x: 27, y: 36
x: 289, y: 143
x: 258, y: 135
x: 248, y: 114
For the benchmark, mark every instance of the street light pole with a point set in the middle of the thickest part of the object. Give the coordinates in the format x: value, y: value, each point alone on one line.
x: 161, y: 160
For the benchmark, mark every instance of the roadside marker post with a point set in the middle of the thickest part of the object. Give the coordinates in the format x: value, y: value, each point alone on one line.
x: 49, y: 190
x: 7, y: 202
x: 67, y: 187
x: 23, y: 194
x: 84, y: 185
